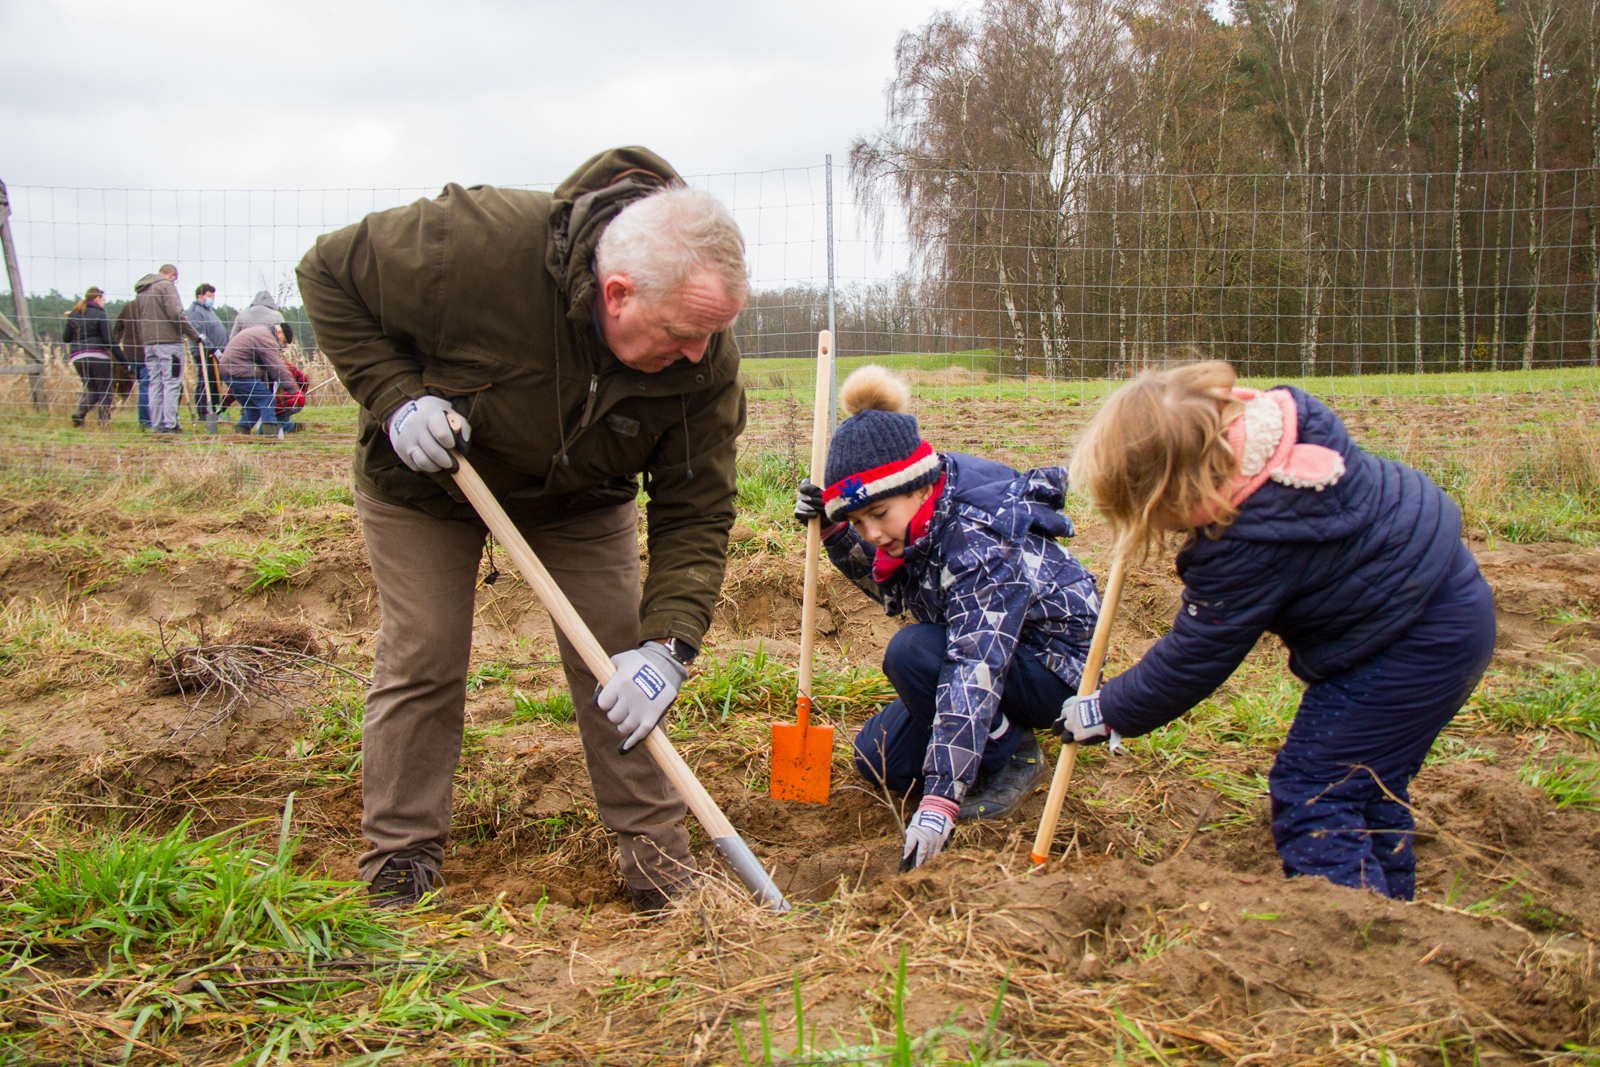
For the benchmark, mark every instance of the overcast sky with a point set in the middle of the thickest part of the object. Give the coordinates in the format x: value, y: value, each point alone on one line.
x: 407, y: 95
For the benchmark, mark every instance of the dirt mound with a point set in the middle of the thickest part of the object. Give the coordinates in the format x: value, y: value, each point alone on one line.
x: 1233, y: 955
x: 1546, y: 596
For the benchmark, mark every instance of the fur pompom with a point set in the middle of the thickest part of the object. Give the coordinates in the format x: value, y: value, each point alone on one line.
x: 874, y: 388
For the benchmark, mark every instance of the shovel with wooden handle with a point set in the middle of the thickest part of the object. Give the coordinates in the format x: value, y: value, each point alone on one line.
x: 723, y: 835
x: 1089, y: 683
x: 802, y: 754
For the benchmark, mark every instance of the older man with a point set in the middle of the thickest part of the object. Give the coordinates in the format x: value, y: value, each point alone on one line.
x: 583, y: 336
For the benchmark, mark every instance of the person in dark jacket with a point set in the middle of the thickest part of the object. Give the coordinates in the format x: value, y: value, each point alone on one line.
x: 262, y: 311
x: 1003, y: 613
x: 1356, y: 562
x: 253, y: 370
x: 93, y: 353
x: 583, y: 338
x: 205, y: 349
x: 126, y: 333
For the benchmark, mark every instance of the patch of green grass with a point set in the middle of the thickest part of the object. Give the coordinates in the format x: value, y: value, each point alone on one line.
x: 47, y: 646
x: 275, y: 564
x: 555, y: 707
x: 761, y: 686
x: 177, y: 895
x: 767, y: 483
x: 335, y: 729
x: 1569, y: 781
x: 485, y: 673
x: 143, y: 560
x: 1553, y: 699
x: 944, y: 1045
x: 222, y: 935
x: 1258, y: 713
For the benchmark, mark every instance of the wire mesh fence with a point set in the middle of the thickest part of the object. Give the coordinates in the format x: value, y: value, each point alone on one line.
x: 1454, y: 319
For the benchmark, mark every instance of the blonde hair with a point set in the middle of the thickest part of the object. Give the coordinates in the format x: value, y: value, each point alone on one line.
x: 663, y: 240
x: 874, y: 388
x: 1156, y: 455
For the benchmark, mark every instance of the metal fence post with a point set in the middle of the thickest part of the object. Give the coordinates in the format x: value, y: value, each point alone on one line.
x: 19, y: 299
x: 833, y: 364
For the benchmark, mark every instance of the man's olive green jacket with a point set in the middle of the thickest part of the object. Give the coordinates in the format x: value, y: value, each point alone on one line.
x: 486, y: 296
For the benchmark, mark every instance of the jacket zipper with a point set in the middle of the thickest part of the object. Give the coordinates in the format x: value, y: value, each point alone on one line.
x: 588, y: 405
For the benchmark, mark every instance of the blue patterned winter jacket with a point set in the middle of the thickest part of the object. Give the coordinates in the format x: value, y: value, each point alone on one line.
x: 988, y: 568
x: 1337, y: 573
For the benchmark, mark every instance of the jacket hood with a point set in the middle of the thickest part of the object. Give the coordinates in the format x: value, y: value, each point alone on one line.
x: 264, y: 299
x: 584, y: 205
x: 1278, y: 512
x: 1013, y: 502
x: 146, y: 282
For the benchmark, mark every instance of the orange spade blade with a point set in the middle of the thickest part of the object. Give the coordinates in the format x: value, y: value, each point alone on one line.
x: 802, y: 760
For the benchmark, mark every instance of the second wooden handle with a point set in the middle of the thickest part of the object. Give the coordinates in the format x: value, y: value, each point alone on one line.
x: 1086, y: 685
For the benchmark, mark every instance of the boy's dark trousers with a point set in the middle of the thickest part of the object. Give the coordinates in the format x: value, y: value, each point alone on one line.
x: 891, y: 747
x: 1339, y: 786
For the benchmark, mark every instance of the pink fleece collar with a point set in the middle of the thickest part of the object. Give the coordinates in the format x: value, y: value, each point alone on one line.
x: 1264, y: 437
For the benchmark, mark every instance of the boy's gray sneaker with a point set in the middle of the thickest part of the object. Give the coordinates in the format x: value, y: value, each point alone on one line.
x: 1004, y: 791
x: 405, y: 882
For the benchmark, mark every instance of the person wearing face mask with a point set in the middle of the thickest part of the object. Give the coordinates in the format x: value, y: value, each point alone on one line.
x: 205, y: 349
x: 1004, y: 614
x: 583, y: 340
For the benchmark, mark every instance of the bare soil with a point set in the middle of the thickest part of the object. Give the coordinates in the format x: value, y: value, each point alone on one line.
x: 1167, y: 904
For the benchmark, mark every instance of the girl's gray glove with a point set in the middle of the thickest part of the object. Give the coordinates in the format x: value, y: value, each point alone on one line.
x: 1080, y: 716
x: 929, y: 831
x: 420, y: 432
x: 645, y: 685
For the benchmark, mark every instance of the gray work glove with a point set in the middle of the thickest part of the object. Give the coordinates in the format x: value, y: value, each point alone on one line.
x: 420, y: 433
x: 929, y: 831
x: 645, y: 685
x: 1080, y: 716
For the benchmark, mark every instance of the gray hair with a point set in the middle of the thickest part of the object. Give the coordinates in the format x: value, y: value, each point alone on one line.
x: 659, y: 242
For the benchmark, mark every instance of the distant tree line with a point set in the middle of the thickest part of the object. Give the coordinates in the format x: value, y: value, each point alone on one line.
x: 1322, y: 185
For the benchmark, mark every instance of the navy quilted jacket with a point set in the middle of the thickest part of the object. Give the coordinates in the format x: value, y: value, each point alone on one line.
x: 989, y: 569
x: 1337, y: 573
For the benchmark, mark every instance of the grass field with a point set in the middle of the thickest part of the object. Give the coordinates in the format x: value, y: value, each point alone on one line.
x: 175, y: 880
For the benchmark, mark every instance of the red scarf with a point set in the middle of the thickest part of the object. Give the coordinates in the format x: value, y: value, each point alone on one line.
x: 884, y: 565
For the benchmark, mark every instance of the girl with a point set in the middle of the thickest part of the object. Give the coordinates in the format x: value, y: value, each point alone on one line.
x: 1003, y: 613
x: 93, y: 352
x: 1355, y: 562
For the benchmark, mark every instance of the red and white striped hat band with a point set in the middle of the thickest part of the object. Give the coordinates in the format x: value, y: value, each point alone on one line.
x: 858, y: 490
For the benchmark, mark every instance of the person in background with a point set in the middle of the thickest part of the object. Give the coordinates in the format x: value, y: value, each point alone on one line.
x: 93, y: 352
x: 251, y: 365
x: 125, y: 332
x: 158, y: 315
x: 291, y: 400
x: 204, y: 350
x: 263, y: 311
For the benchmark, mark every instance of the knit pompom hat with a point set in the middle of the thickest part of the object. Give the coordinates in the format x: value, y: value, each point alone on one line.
x: 878, y: 451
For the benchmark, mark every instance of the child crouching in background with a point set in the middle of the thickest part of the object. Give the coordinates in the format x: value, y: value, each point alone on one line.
x: 1003, y: 613
x: 1355, y: 561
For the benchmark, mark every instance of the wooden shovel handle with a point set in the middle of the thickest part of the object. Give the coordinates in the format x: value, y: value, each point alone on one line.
x: 594, y: 657
x: 819, y: 457
x: 1089, y: 683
